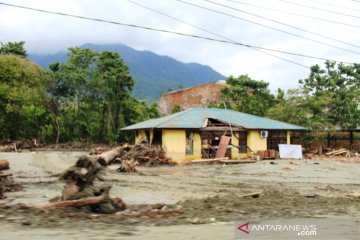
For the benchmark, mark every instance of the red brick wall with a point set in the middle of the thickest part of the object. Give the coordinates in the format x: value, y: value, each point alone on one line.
x: 195, y: 97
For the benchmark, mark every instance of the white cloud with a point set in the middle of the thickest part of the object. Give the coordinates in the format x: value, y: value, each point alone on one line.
x: 46, y: 33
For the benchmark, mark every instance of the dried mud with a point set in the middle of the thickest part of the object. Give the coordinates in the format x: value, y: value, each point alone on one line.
x: 198, y: 202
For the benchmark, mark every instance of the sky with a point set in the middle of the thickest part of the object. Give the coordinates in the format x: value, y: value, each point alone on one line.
x: 236, y: 21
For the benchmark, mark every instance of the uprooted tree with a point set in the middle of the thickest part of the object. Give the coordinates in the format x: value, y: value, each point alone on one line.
x: 82, y: 188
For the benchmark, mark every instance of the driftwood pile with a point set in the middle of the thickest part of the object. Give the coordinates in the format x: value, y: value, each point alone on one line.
x: 128, y: 166
x: 131, y: 156
x: 82, y: 188
x: 146, y: 155
x: 340, y: 152
x: 16, y: 146
x: 8, y: 148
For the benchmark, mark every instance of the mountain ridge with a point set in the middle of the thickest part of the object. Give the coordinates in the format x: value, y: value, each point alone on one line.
x: 153, y: 74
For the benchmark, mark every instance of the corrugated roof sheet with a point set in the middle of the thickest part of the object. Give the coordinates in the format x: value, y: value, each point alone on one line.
x: 194, y: 118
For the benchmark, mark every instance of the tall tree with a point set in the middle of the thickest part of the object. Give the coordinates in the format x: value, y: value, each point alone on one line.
x: 68, y: 90
x: 247, y: 95
x: 113, y: 85
x: 91, y: 96
x: 334, y: 94
x: 22, y: 96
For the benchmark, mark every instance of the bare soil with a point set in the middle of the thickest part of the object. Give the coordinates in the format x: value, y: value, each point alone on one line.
x: 197, y: 201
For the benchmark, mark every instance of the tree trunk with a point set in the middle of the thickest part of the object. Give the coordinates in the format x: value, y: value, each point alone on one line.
x: 110, y: 155
x: 4, y: 164
x: 72, y: 203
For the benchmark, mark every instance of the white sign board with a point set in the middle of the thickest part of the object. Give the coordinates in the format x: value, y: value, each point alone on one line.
x: 290, y: 151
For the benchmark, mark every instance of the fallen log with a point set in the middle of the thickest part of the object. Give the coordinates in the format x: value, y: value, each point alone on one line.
x: 112, y: 154
x: 209, y: 160
x: 5, y: 175
x: 72, y: 203
x: 253, y: 195
x: 237, y: 161
x: 4, y: 165
x: 336, y: 152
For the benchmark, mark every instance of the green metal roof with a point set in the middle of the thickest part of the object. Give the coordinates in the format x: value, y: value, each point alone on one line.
x: 194, y: 118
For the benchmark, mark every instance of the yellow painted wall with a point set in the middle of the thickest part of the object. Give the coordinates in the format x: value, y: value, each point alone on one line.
x: 255, y: 142
x: 288, y: 135
x: 234, y: 151
x: 174, y: 144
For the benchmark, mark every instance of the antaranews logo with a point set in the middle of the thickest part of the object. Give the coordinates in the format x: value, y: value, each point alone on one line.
x: 244, y: 228
x: 298, y: 229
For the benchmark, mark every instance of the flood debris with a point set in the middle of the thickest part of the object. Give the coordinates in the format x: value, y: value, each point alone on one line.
x: 7, y: 183
x: 8, y: 148
x: 342, y: 151
x: 131, y: 156
x: 128, y: 166
x: 84, y: 187
x: 340, y: 154
x: 97, y: 150
x: 4, y: 165
x: 18, y: 146
x: 146, y: 155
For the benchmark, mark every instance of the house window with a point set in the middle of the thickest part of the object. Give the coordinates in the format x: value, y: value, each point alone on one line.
x: 189, y: 143
x: 243, y: 142
x: 275, y: 138
x: 157, y: 139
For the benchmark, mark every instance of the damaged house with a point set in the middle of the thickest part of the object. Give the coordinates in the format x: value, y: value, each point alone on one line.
x: 196, y: 132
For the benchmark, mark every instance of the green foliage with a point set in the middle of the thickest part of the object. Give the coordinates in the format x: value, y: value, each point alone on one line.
x: 14, y: 48
x: 247, y: 95
x: 176, y: 109
x: 22, y: 93
x: 91, y: 97
x: 291, y: 107
x: 334, y: 95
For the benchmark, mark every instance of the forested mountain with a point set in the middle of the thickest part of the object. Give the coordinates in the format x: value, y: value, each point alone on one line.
x: 153, y: 74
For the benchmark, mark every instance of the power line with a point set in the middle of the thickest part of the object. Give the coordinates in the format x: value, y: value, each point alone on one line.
x: 223, y: 37
x: 284, y: 24
x: 320, y: 9
x: 334, y: 5
x: 215, y: 34
x: 293, y: 13
x: 164, y: 31
x: 266, y: 26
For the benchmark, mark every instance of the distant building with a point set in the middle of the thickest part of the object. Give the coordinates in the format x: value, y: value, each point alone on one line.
x: 200, y: 96
x: 195, y: 133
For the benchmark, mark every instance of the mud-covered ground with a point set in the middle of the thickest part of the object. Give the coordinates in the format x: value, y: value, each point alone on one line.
x: 197, y: 201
